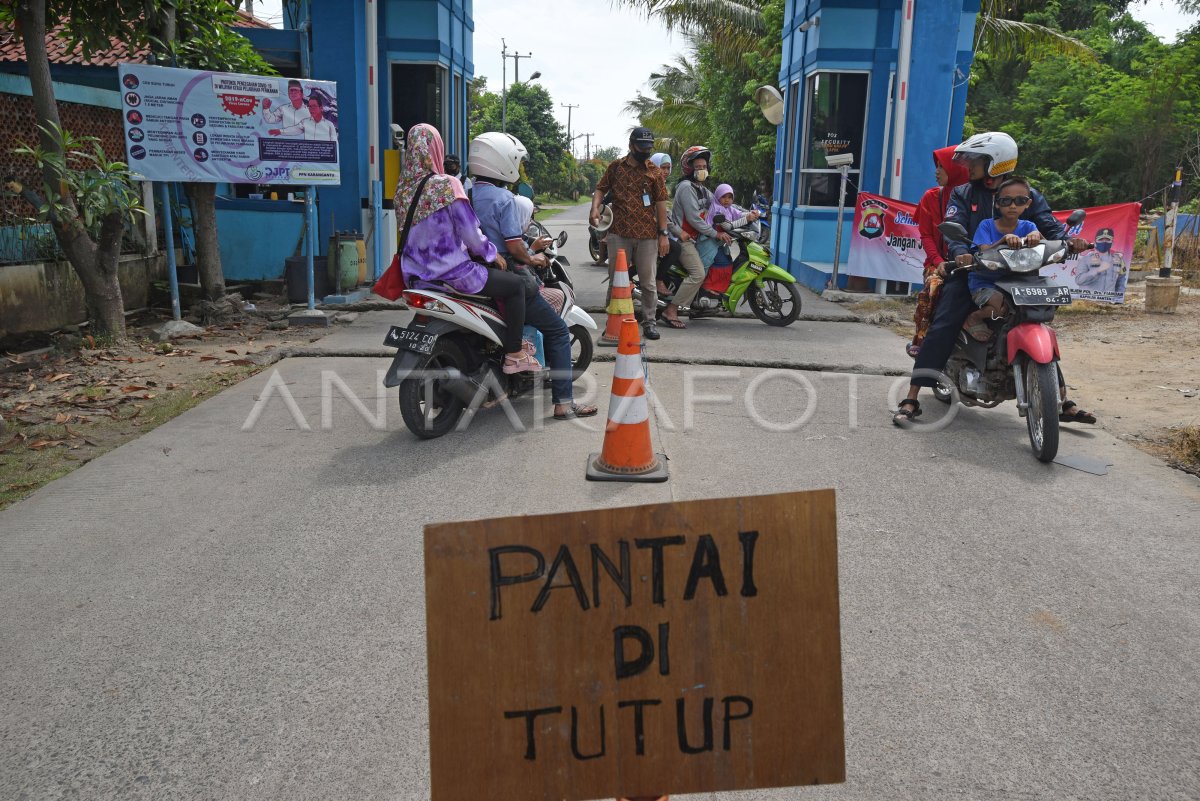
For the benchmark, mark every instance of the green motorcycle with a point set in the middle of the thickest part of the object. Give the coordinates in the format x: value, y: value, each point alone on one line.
x: 770, y: 290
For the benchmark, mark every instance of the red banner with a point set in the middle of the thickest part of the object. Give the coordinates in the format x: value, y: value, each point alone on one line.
x: 886, y: 244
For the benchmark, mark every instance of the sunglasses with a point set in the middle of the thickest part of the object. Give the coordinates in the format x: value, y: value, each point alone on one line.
x: 1019, y: 200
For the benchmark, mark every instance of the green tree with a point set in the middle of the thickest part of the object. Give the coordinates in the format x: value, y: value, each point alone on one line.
x: 606, y: 155
x: 531, y: 119
x: 184, y: 29
x: 1095, y: 132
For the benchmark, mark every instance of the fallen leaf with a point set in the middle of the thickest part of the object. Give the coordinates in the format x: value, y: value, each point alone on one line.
x: 133, y: 388
x: 91, y: 341
x: 16, y: 440
x: 20, y: 407
x: 45, y: 443
x: 232, y: 350
x: 62, y: 419
x: 136, y: 412
x: 209, y: 358
x: 242, y: 362
x: 59, y: 377
x: 148, y: 395
x: 32, y: 388
x: 195, y: 393
x: 172, y: 386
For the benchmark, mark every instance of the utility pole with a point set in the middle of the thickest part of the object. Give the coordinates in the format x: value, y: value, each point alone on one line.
x: 504, y: 57
x: 569, y: 107
x: 587, y: 153
x: 1164, y: 270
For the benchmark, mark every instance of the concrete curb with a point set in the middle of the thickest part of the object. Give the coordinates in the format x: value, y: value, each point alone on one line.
x: 266, y: 359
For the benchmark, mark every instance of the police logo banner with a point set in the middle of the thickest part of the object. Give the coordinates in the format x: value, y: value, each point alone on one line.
x: 886, y: 245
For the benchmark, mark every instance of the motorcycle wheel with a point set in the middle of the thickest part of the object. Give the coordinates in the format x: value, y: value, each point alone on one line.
x: 444, y: 409
x: 942, y: 393
x: 597, y: 251
x: 581, y: 344
x: 1041, y: 392
x: 775, y: 303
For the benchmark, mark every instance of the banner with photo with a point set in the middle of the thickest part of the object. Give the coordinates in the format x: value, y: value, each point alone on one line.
x: 220, y: 127
x: 886, y: 244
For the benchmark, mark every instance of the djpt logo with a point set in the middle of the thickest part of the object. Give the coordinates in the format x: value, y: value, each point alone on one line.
x: 873, y: 219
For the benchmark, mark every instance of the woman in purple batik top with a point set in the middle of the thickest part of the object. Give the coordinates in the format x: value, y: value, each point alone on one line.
x: 445, y: 235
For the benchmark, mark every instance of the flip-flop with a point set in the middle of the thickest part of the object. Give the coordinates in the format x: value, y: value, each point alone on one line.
x: 575, y: 410
x: 669, y: 323
x: 1077, y: 416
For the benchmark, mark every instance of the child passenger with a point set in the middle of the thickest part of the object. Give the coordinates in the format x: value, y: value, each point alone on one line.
x: 1009, y: 230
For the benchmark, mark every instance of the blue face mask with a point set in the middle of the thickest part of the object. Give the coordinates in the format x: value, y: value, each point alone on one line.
x: 1103, y: 247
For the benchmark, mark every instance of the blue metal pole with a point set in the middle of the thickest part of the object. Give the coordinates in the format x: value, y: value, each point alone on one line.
x: 169, y: 236
x: 377, y: 208
x: 310, y: 218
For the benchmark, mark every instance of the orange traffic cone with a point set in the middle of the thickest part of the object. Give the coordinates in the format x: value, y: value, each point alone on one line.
x: 620, y: 302
x: 628, y: 454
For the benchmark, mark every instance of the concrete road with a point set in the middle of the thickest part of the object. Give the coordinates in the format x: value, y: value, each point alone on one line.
x: 218, y: 613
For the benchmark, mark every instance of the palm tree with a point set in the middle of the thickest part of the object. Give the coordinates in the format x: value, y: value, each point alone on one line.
x: 734, y: 26
x: 673, y: 113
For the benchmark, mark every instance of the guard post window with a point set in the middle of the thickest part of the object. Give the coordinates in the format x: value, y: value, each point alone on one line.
x: 835, y: 123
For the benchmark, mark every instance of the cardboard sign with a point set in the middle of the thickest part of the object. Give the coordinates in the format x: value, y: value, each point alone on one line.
x: 673, y: 648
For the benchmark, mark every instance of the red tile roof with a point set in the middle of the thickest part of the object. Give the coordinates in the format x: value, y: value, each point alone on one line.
x: 12, y: 49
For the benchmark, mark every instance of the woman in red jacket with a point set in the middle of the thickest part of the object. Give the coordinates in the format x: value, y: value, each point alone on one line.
x: 930, y: 212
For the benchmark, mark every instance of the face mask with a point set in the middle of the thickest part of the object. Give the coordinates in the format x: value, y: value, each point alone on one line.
x: 702, y: 175
x: 1103, y: 247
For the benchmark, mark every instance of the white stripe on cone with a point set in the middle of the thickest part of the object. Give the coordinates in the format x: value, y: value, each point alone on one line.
x: 629, y: 409
x: 620, y: 279
x: 629, y: 365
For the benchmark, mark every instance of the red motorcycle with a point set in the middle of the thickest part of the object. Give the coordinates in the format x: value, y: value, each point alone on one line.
x: 1020, y: 360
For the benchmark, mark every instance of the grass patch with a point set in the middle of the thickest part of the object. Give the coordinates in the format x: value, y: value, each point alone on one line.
x: 1183, y: 448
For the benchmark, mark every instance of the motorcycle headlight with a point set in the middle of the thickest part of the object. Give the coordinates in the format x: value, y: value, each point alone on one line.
x: 1024, y: 260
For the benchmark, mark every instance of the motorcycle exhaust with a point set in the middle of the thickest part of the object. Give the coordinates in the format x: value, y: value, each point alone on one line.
x: 460, y: 386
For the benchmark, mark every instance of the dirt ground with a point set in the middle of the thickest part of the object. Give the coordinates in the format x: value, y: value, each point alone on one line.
x: 72, y: 400
x: 1139, y: 373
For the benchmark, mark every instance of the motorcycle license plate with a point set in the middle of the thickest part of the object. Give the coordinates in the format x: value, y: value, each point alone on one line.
x: 407, y: 339
x: 1041, y: 295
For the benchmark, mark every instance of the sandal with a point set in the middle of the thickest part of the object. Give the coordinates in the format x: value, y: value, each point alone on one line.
x: 676, y: 323
x: 1077, y: 416
x: 908, y: 409
x: 576, y: 410
x: 912, y: 350
x: 980, y: 332
x: 522, y: 364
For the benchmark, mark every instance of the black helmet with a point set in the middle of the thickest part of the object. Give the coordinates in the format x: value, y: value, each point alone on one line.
x: 451, y: 161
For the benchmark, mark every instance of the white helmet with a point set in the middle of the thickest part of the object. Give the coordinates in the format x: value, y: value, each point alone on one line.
x: 996, y: 146
x: 497, y: 156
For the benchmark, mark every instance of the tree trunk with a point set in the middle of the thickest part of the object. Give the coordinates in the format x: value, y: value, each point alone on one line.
x: 203, y: 198
x: 102, y: 292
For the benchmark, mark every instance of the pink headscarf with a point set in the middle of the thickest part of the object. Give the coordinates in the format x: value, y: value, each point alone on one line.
x: 731, y: 213
x: 423, y: 155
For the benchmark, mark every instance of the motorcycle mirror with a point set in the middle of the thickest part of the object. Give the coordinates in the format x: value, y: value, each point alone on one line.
x: 1076, y: 218
x: 562, y: 238
x: 955, y: 232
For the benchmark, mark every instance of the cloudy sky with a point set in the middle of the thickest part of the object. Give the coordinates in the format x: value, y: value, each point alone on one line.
x: 599, y: 57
